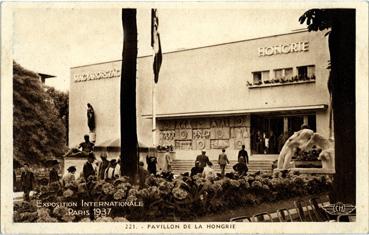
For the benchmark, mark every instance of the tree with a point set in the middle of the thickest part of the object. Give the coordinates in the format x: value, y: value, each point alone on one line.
x: 341, y: 23
x: 128, y: 124
x: 38, y: 132
x: 61, y: 102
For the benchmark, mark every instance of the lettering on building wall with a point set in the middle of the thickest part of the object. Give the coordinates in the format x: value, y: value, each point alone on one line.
x: 219, y: 122
x: 200, y: 144
x: 240, y: 132
x: 167, y: 125
x: 204, y: 133
x: 201, y: 134
x: 283, y: 49
x: 200, y: 123
x: 238, y: 121
x: 183, y: 145
x: 96, y: 75
x: 219, y: 144
x: 183, y: 134
x: 167, y: 137
x: 183, y: 124
x: 219, y: 133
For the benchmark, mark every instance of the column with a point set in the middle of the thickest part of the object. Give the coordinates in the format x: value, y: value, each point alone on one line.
x: 285, y: 124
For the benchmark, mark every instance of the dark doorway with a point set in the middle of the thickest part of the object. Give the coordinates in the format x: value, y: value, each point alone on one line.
x: 264, y: 133
x: 267, y: 130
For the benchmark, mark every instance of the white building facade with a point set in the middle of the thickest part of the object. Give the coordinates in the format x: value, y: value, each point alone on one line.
x: 214, y: 97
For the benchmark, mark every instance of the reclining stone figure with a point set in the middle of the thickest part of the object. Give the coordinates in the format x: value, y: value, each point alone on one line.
x: 304, y: 140
x: 289, y: 148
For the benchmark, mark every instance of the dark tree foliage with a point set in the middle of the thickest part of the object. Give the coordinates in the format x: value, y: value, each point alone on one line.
x: 61, y: 102
x: 38, y: 132
x: 341, y: 23
x: 317, y: 19
x: 128, y: 123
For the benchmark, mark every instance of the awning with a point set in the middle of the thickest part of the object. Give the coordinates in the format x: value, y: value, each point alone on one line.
x: 238, y: 112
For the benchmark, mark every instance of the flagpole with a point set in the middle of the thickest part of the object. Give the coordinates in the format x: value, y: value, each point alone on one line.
x: 153, y: 89
x: 157, y: 59
x: 153, y: 108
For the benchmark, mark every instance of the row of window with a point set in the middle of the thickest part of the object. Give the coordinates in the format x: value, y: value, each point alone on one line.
x: 285, y: 73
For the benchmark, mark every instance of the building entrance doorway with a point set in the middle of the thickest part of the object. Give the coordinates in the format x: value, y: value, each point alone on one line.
x: 264, y: 133
x: 270, y: 132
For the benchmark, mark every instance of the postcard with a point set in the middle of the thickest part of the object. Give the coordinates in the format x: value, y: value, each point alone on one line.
x: 172, y: 117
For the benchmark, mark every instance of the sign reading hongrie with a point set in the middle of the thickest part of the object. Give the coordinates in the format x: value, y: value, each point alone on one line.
x: 87, y: 76
x: 284, y: 49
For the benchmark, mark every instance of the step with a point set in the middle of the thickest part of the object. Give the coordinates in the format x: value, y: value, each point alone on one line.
x: 181, y: 166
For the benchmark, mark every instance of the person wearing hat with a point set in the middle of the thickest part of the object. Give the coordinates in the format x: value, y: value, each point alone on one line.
x: 69, y: 177
x: 88, y: 168
x: 203, y: 159
x: 103, y: 165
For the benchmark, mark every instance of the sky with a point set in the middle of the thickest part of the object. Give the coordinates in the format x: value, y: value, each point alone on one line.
x: 52, y: 40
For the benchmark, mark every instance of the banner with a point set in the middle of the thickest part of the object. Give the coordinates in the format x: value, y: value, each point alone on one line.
x: 155, y: 43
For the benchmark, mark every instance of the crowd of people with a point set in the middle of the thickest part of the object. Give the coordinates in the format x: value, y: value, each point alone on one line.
x: 204, y: 166
x: 268, y: 142
x: 103, y: 170
x: 109, y: 170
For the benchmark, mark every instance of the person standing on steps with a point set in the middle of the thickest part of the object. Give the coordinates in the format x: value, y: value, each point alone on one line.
x: 203, y: 159
x: 223, y: 161
x: 243, y: 154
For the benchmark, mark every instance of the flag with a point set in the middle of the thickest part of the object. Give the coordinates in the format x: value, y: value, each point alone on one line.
x: 155, y: 43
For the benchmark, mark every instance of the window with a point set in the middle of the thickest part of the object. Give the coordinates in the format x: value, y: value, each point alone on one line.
x: 265, y: 75
x: 306, y: 71
x: 281, y: 76
x: 260, y: 77
x: 256, y: 77
x: 283, y: 73
x: 278, y: 73
x: 302, y: 71
x: 288, y: 73
x: 311, y: 71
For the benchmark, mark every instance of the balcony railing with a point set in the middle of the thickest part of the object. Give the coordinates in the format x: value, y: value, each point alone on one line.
x: 282, y: 81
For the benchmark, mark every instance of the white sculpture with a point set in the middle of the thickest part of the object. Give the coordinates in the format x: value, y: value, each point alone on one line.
x: 289, y: 148
x: 327, y: 145
x: 304, y: 140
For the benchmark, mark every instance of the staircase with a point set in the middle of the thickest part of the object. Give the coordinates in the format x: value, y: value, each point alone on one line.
x: 182, y: 166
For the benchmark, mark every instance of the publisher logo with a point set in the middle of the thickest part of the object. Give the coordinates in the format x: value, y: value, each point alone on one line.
x: 339, y: 208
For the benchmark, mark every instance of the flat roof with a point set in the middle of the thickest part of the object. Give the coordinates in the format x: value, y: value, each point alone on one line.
x: 202, y: 47
x: 238, y: 112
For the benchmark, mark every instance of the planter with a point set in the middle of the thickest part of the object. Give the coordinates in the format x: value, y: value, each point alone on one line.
x: 308, y: 164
